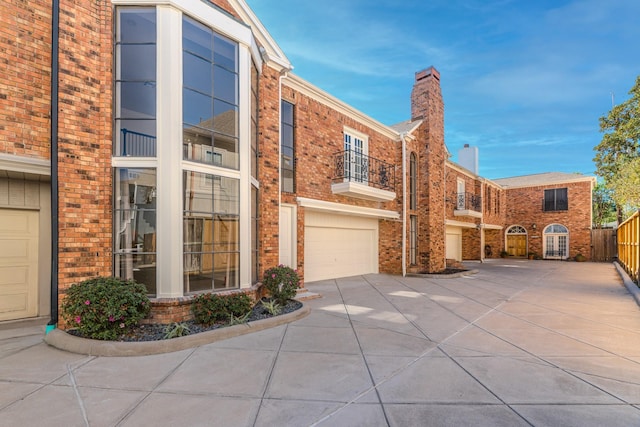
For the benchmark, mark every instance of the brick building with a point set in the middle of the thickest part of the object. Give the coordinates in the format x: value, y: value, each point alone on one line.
x: 171, y: 143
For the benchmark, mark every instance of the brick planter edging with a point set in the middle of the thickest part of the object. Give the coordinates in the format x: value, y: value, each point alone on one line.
x: 64, y: 341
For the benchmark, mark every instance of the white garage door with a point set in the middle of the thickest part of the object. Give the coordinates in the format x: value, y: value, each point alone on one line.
x: 18, y: 264
x: 454, y: 243
x: 339, y: 246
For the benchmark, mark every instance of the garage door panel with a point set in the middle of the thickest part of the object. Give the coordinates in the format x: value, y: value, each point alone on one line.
x: 14, y: 276
x: 14, y: 250
x: 13, y: 304
x: 339, y: 246
x: 18, y: 264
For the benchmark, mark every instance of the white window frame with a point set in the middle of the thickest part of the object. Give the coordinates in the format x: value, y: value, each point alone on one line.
x: 460, y: 194
x: 358, y: 143
x: 169, y: 162
x: 553, y: 238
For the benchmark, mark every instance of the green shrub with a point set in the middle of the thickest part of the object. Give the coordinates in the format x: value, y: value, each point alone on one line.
x: 105, y: 307
x: 281, y: 282
x: 211, y: 308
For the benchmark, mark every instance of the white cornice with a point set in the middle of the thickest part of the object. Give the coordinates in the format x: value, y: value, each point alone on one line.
x: 272, y: 52
x: 362, y: 191
x: 30, y: 165
x: 462, y: 224
x: 300, y: 85
x: 590, y: 179
x: 321, y: 205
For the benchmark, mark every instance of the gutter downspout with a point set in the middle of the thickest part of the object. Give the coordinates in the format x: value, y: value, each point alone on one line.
x: 404, y: 204
x: 55, y: 34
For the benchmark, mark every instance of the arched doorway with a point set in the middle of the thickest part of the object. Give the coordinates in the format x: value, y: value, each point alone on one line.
x: 556, y: 242
x: 516, y: 241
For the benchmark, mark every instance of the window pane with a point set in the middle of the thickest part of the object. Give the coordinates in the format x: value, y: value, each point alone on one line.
x: 197, y: 38
x: 135, y: 225
x: 226, y: 272
x: 211, y: 232
x: 137, y: 26
x: 254, y: 234
x: 287, y: 113
x: 287, y: 136
x: 224, y: 52
x: 287, y: 181
x: 226, y: 148
x: 144, y: 58
x: 197, y: 109
x: 137, y: 100
x: 197, y: 74
x: 197, y: 144
x: 562, y: 202
x: 226, y: 118
x: 135, y: 138
x: 228, y: 196
x: 225, y: 85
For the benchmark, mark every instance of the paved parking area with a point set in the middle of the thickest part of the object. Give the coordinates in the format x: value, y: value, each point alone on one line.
x: 519, y: 343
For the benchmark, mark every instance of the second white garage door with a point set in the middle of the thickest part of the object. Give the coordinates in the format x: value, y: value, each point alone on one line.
x: 339, y: 246
x: 454, y: 243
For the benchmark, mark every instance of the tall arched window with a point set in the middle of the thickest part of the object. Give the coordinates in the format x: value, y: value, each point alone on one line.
x: 413, y: 178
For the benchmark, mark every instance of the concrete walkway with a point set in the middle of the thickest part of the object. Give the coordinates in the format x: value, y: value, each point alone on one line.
x: 520, y: 343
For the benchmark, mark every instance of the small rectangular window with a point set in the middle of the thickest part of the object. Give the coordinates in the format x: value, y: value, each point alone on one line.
x: 556, y: 200
x: 287, y: 148
x: 413, y: 239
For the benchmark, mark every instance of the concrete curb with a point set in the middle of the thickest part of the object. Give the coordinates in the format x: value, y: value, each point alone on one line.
x: 67, y: 342
x: 443, y: 276
x: 628, y: 283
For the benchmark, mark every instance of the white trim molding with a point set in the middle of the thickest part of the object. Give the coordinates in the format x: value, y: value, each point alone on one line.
x: 461, y: 224
x: 30, y: 165
x: 362, y: 191
x: 340, y: 208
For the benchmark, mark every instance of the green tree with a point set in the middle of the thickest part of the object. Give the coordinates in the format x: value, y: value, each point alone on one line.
x: 604, y: 207
x: 619, y: 147
x: 625, y: 186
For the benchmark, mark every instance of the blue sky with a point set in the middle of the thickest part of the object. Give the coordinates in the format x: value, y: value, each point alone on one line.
x: 524, y: 81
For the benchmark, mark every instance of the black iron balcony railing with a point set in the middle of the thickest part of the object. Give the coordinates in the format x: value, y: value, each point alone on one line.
x: 137, y: 144
x: 351, y: 166
x: 468, y: 202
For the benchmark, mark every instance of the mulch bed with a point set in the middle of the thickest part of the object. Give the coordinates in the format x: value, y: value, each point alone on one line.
x: 156, y: 332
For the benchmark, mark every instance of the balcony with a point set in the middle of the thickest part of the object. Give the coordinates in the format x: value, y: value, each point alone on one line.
x: 363, y: 177
x: 468, y: 204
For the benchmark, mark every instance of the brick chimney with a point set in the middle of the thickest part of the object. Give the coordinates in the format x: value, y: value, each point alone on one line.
x: 427, y: 105
x: 426, y: 95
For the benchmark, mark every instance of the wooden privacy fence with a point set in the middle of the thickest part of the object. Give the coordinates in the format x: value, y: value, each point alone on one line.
x: 629, y: 246
x: 603, y: 244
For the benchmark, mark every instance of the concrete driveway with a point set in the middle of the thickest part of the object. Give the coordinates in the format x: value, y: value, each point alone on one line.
x: 519, y: 343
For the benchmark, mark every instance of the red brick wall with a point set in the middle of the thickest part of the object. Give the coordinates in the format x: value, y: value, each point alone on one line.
x: 268, y: 163
x: 319, y: 135
x: 85, y: 140
x: 25, y: 67
x: 524, y: 207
